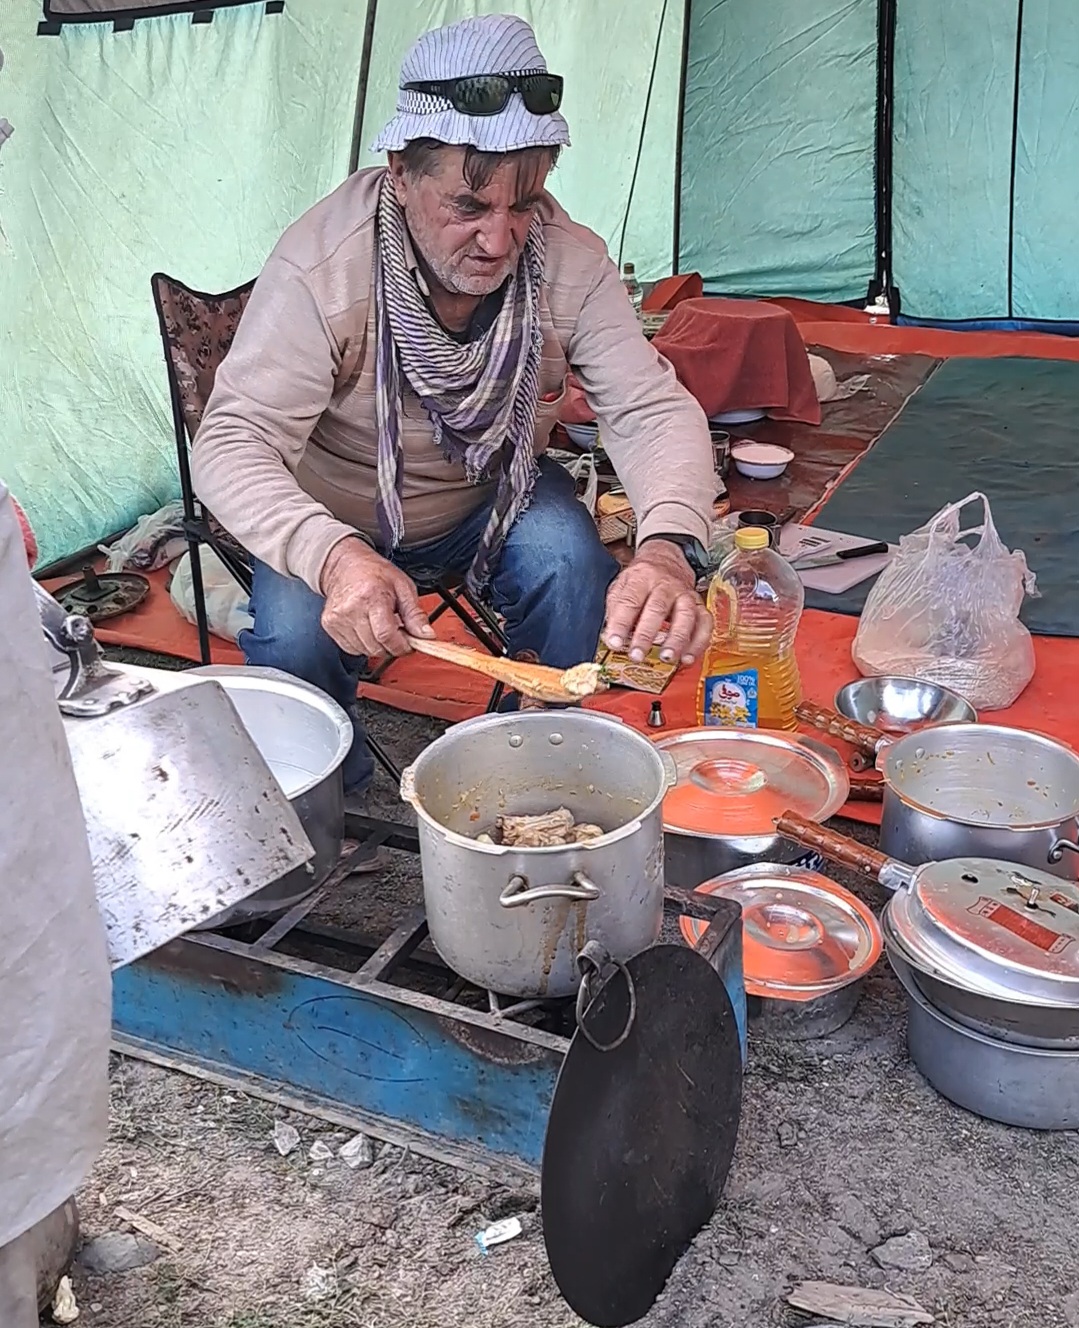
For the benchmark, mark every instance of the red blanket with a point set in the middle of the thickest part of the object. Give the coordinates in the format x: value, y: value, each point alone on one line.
x: 741, y: 355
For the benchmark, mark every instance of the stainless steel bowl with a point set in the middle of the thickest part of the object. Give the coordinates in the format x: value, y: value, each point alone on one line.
x: 304, y: 737
x: 901, y: 705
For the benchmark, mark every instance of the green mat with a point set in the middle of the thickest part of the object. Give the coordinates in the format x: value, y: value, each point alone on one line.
x: 1006, y: 427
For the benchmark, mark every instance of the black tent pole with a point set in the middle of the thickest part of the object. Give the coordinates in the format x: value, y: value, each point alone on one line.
x: 677, y: 218
x: 883, y: 286
x: 361, y: 85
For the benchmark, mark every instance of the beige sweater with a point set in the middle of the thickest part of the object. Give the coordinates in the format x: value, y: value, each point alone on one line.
x: 286, y: 455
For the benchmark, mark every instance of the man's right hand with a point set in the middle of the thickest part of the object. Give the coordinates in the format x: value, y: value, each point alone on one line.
x: 371, y: 606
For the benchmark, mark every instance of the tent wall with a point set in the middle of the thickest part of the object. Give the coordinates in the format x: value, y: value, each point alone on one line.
x: 777, y: 182
x: 986, y: 157
x: 181, y: 146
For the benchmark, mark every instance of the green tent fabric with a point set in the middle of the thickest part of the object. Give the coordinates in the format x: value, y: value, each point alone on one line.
x: 778, y: 133
x: 190, y: 147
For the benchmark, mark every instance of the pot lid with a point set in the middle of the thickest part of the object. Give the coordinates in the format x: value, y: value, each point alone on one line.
x: 803, y: 935
x: 733, y: 783
x: 641, y: 1131
x: 993, y: 927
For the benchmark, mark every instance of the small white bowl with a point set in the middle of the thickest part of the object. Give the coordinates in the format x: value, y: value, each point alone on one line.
x: 737, y: 417
x: 584, y: 435
x: 761, y: 461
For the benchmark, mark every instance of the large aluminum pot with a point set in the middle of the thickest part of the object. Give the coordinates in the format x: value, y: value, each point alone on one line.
x: 980, y: 790
x: 303, y: 737
x: 513, y: 920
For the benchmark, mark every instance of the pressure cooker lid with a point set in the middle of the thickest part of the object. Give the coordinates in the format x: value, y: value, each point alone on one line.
x: 993, y: 927
x: 803, y: 935
x: 641, y: 1131
x: 733, y: 783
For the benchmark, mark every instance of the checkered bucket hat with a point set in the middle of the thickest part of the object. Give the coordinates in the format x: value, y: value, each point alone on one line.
x: 491, y: 44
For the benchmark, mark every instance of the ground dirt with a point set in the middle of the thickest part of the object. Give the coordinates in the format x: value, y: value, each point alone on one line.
x: 842, y: 1144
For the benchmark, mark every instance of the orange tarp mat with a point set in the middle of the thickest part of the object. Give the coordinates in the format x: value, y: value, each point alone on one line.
x: 426, y: 686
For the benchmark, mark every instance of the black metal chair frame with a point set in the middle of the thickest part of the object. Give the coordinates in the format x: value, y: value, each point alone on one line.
x: 198, y: 530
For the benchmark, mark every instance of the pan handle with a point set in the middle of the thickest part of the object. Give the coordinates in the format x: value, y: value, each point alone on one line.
x: 838, y: 726
x: 517, y: 893
x: 837, y: 848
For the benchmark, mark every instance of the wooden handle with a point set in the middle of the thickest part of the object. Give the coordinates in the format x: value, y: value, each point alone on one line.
x: 532, y: 680
x: 866, y: 790
x: 836, y: 848
x: 838, y: 726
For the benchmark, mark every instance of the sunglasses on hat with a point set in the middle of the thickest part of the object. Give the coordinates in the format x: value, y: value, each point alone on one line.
x: 488, y: 94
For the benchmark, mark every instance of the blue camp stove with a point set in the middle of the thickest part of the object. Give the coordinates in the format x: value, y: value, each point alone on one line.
x: 376, y: 1033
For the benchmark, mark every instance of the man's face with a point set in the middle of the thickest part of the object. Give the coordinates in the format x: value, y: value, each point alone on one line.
x: 471, y: 239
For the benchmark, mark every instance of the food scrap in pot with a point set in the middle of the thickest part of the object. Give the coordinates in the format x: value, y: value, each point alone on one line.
x: 549, y: 830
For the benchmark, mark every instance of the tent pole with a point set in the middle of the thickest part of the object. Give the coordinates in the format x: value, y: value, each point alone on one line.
x: 361, y: 85
x: 677, y: 215
x: 882, y: 292
x: 677, y: 218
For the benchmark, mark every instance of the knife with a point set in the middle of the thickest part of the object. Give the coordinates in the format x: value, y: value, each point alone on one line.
x: 841, y: 556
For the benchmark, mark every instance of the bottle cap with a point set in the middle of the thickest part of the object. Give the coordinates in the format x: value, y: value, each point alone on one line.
x: 751, y: 537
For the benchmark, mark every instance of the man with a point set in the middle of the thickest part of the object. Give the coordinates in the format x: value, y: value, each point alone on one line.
x: 397, y: 372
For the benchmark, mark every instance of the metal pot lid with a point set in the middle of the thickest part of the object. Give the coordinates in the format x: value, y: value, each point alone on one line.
x: 640, y: 1137
x: 733, y: 783
x: 993, y: 927
x: 803, y: 935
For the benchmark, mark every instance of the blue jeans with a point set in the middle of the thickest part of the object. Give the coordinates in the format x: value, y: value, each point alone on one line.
x: 549, y: 584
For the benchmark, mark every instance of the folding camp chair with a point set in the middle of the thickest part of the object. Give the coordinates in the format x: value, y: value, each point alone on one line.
x: 196, y: 332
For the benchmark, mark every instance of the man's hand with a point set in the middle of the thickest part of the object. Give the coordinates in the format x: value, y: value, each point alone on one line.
x: 370, y: 604
x: 657, y: 587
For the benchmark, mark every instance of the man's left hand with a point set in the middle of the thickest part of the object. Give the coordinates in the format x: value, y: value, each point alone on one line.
x: 657, y: 587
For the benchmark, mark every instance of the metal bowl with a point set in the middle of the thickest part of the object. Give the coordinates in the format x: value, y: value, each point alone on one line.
x: 901, y: 705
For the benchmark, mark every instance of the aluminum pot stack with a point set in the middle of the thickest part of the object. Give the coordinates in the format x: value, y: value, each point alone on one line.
x: 988, y: 953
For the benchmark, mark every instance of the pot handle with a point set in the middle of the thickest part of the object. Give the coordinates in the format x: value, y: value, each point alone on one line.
x: 518, y: 893
x: 670, y: 770
x: 408, y: 785
x: 1056, y: 853
x: 838, y: 726
x: 837, y: 848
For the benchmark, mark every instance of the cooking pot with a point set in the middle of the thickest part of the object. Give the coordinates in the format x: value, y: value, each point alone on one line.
x: 807, y: 945
x: 982, y: 790
x: 996, y: 942
x: 303, y: 737
x: 513, y: 920
x: 1032, y: 1087
x: 731, y: 784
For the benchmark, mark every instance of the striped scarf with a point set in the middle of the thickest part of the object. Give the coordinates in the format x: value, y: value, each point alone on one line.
x: 481, y: 396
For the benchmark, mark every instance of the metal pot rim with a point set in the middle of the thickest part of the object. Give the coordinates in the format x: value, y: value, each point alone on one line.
x: 909, y: 740
x: 924, y: 965
x: 254, y: 678
x: 409, y: 794
x: 920, y: 999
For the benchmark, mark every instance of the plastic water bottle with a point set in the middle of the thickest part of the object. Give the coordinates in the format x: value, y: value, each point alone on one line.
x: 633, y: 289
x: 749, y: 677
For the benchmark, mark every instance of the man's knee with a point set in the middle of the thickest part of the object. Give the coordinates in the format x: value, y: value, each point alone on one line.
x: 287, y: 633
x: 563, y: 546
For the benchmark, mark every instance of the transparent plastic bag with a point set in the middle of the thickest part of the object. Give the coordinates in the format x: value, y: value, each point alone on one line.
x: 227, y: 611
x: 946, y: 609
x: 152, y: 541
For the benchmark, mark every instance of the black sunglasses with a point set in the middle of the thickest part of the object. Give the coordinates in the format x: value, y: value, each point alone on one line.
x: 487, y: 94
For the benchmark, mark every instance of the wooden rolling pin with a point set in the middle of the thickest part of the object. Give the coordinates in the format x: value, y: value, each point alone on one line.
x: 560, y: 686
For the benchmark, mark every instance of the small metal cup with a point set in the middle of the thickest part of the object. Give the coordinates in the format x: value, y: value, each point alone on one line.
x: 721, y: 451
x: 764, y: 521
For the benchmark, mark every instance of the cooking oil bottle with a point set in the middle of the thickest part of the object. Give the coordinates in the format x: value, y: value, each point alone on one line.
x: 749, y: 677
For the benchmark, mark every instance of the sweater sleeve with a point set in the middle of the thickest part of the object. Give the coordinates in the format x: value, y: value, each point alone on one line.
x: 654, y: 432
x: 270, y: 390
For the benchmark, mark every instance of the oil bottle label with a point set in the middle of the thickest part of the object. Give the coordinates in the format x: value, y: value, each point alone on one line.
x: 730, y: 699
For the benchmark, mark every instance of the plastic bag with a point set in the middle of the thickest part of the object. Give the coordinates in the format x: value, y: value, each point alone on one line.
x: 946, y: 609
x: 151, y: 542
x: 227, y: 610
